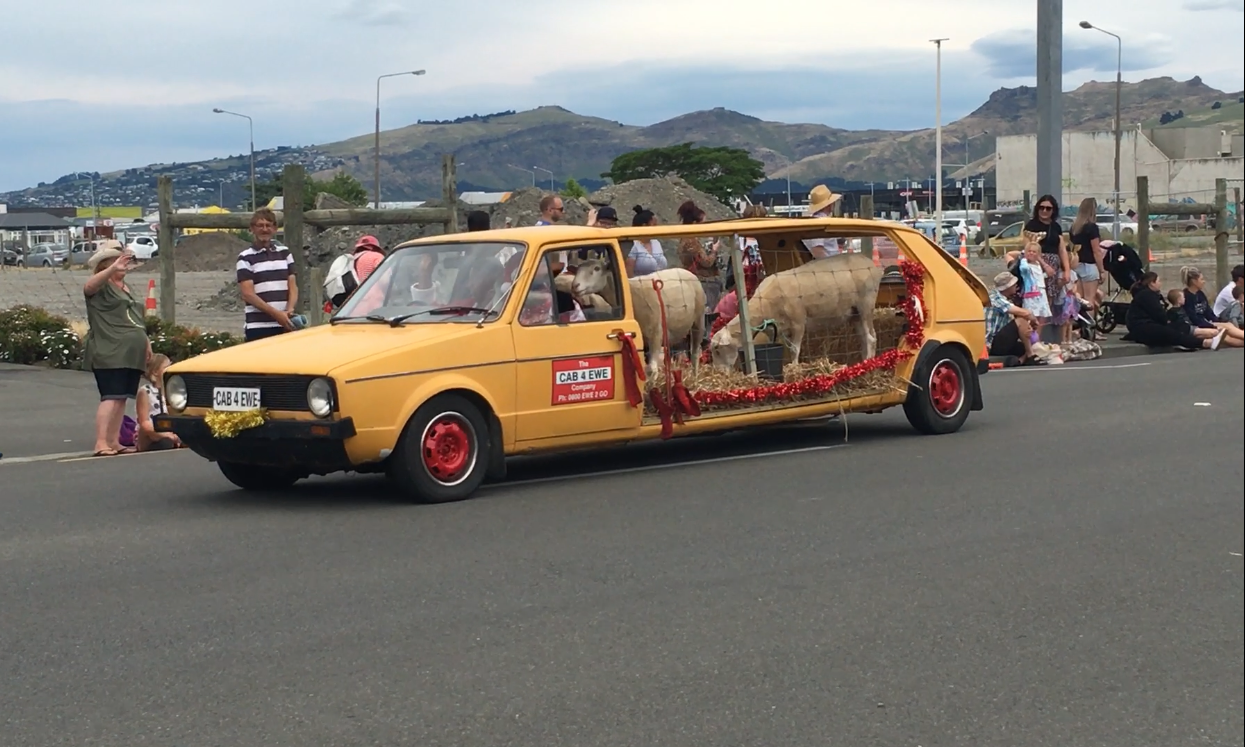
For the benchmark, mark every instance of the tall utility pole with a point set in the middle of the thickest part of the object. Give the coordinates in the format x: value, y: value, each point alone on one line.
x: 1050, y: 97
x: 250, y: 124
x: 547, y: 171
x: 376, y: 184
x: 938, y: 134
x: 1119, y: 85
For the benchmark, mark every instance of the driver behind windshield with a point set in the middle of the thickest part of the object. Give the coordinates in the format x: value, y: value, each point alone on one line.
x: 479, y: 281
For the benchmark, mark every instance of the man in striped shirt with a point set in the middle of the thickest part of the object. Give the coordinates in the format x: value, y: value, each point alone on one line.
x: 266, y: 280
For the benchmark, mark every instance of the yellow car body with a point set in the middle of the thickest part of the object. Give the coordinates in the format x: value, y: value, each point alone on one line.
x: 384, y: 379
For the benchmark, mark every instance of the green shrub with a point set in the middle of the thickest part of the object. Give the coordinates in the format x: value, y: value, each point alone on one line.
x: 30, y: 335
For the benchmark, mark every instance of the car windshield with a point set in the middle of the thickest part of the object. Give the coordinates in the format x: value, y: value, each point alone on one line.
x: 437, y: 283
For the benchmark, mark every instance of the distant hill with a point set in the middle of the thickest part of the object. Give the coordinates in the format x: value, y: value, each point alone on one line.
x: 1228, y: 112
x: 497, y: 148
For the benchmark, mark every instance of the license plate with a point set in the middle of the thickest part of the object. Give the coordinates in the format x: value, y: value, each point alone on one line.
x: 234, y: 399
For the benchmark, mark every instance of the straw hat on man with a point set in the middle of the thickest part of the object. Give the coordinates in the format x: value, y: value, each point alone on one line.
x: 821, y: 202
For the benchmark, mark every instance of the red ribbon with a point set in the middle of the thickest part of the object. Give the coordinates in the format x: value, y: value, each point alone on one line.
x: 633, y: 369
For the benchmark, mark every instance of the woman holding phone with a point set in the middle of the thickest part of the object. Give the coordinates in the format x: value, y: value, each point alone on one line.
x: 116, y: 349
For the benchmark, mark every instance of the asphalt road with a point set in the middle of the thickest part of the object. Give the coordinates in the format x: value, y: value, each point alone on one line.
x: 1065, y: 571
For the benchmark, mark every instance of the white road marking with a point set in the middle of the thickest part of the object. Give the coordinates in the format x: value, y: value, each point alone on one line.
x: 44, y: 457
x: 1237, y: 554
x: 655, y: 467
x: 1068, y: 367
x: 90, y: 456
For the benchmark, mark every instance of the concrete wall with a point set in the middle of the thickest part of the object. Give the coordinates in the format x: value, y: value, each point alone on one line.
x: 1188, y: 142
x: 1088, y: 168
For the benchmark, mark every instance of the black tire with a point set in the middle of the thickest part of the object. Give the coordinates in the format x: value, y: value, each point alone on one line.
x: 47, y: 263
x: 252, y: 477
x: 1106, y: 321
x: 941, y: 394
x: 443, y: 454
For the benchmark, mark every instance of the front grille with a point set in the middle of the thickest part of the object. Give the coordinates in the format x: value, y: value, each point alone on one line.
x: 288, y: 393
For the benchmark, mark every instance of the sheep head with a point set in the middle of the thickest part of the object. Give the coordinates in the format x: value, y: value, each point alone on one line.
x: 724, y: 346
x: 591, y: 276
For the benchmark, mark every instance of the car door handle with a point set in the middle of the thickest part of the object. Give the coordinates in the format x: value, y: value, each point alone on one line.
x: 620, y: 335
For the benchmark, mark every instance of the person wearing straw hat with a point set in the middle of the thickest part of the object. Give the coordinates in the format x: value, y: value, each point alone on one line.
x: 821, y: 202
x: 116, y: 349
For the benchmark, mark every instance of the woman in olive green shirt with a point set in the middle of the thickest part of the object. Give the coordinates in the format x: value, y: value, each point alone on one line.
x: 116, y: 348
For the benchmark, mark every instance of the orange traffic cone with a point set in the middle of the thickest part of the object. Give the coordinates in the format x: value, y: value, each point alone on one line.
x: 151, y: 297
x: 964, y: 250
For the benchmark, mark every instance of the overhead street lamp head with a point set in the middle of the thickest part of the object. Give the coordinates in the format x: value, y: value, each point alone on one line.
x: 418, y: 72
x: 1086, y: 25
x: 218, y: 111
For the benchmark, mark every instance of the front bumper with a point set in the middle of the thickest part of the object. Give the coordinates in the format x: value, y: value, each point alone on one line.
x: 311, y: 446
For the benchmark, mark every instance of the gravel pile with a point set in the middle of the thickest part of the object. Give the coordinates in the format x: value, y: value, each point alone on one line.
x: 662, y: 196
x: 203, y: 252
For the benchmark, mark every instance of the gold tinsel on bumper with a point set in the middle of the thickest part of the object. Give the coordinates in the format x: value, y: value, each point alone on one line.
x: 230, y: 424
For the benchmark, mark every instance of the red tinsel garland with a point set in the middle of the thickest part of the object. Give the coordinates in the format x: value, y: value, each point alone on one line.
x: 913, y: 308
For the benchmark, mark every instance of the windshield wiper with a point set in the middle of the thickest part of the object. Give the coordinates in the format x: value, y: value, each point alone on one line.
x: 447, y: 310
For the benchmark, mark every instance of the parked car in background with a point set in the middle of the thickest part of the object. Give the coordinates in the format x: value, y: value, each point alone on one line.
x: 1106, y: 223
x: 83, y: 250
x: 12, y: 258
x: 143, y: 247
x: 46, y: 255
x: 1179, y: 223
x: 1003, y: 219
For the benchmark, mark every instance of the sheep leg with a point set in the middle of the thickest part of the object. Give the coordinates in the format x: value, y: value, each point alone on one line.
x: 656, y: 360
x: 868, y: 336
x: 795, y: 338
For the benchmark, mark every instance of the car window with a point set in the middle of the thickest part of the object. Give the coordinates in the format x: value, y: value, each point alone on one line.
x: 1011, y: 231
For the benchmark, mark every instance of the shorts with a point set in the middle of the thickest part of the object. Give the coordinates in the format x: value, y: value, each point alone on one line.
x: 262, y: 333
x: 1007, y: 342
x: 117, y: 383
x: 1087, y: 273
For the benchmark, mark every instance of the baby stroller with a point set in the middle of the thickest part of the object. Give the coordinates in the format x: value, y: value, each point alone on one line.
x: 1124, y: 267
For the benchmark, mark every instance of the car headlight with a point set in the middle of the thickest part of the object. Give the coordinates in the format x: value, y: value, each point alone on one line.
x: 175, y: 393
x: 320, y: 397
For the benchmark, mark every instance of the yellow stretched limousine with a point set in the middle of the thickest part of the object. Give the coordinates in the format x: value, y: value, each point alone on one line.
x: 462, y: 350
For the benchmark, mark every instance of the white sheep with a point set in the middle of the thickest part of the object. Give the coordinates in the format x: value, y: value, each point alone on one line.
x: 681, y: 293
x: 840, y: 288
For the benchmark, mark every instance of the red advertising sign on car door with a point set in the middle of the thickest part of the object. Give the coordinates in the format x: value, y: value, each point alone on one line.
x: 580, y: 380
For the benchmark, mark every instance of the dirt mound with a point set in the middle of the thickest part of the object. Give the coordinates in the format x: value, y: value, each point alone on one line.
x: 203, y: 252
x: 662, y: 196
x: 523, y: 209
x: 228, y: 298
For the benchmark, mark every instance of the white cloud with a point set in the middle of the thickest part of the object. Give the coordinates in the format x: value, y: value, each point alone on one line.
x: 144, y: 91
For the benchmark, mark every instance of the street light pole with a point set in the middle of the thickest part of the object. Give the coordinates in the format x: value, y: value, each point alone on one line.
x: 938, y: 132
x: 251, y: 125
x: 550, y: 173
x: 1119, y: 84
x: 529, y: 171
x: 376, y: 155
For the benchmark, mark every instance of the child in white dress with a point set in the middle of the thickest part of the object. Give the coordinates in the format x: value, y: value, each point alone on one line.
x: 1034, y: 273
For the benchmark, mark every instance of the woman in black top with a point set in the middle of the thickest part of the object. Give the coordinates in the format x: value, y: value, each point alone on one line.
x: 1085, y: 238
x: 1045, y: 220
x: 1147, y: 319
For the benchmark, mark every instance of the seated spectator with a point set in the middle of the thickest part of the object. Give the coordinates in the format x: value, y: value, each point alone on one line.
x: 728, y: 306
x: 1234, y: 314
x: 1224, y: 299
x: 1010, y: 329
x: 1147, y: 319
x: 1199, y: 309
x: 149, y: 403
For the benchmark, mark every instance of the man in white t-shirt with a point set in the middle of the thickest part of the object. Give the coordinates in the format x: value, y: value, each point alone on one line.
x: 821, y: 203
x: 1224, y: 299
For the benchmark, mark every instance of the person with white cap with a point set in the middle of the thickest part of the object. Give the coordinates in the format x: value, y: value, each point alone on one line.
x: 821, y: 202
x: 116, y: 349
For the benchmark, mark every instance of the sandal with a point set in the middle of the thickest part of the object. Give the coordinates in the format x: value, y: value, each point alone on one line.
x: 107, y: 452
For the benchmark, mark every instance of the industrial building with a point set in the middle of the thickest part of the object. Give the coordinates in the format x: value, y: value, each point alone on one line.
x: 1182, y: 164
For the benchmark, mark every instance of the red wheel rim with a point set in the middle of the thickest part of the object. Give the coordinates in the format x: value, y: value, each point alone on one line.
x: 946, y: 389
x: 449, y: 448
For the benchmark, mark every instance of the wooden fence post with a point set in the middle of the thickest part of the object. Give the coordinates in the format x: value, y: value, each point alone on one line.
x: 1221, y: 233
x: 866, y: 213
x: 293, y: 182
x: 741, y: 294
x: 1143, y: 220
x: 449, y: 190
x: 1240, y: 225
x: 168, y: 275
x: 315, y: 311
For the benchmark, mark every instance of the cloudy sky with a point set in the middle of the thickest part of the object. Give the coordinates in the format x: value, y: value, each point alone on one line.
x: 97, y: 85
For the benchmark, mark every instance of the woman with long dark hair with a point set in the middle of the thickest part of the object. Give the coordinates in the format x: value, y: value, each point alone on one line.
x: 1045, y: 221
x: 1147, y: 319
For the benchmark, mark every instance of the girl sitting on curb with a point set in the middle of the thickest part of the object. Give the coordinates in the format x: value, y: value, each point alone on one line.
x: 150, y: 403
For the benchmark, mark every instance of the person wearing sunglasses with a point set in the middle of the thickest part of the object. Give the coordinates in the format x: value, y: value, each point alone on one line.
x: 1045, y: 221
